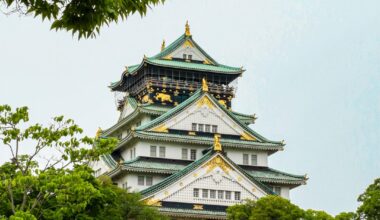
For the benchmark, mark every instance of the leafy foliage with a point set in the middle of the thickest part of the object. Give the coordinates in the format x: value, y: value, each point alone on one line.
x: 346, y: 216
x: 370, y: 199
x: 317, y: 215
x: 82, y: 17
x: 62, y: 186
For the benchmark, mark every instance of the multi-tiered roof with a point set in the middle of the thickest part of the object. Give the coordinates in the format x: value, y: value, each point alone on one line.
x: 179, y: 82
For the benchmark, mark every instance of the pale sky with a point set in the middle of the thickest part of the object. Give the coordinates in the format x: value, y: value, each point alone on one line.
x: 313, y: 79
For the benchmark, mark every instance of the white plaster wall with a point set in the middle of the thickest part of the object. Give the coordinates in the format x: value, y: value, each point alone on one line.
x: 127, y: 110
x: 186, y: 194
x: 285, y: 191
x: 132, y: 124
x: 131, y: 180
x: 204, y: 115
x: 196, y: 54
x: 173, y: 150
x: 237, y: 156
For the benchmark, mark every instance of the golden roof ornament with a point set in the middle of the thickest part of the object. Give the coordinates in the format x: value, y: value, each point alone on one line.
x: 204, y: 85
x: 217, y: 145
x: 187, y: 29
x: 98, y: 133
x: 163, y: 45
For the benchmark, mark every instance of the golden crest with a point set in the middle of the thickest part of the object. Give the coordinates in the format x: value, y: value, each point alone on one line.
x: 204, y: 85
x: 223, y: 103
x: 187, y: 29
x: 217, y: 144
x: 205, y: 101
x: 146, y: 99
x: 188, y: 44
x: 217, y: 162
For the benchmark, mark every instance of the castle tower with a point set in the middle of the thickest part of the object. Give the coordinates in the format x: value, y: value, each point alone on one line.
x: 181, y: 144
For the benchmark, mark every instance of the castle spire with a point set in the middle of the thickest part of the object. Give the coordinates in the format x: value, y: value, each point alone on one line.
x: 163, y: 45
x: 187, y: 29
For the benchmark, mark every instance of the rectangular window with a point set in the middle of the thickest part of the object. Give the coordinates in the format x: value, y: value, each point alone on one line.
x: 214, y: 129
x: 134, y: 152
x: 194, y: 127
x: 184, y: 153
x: 237, y: 195
x: 277, y: 190
x: 153, y: 151
x: 184, y: 56
x: 207, y: 128
x: 162, y: 151
x: 245, y: 159
x: 193, y: 154
x: 190, y: 57
x: 140, y: 180
x: 149, y: 181
x: 196, y: 193
x: 254, y: 159
x: 200, y: 127
x: 204, y: 193
x: 138, y: 123
x: 131, y: 152
x: 228, y: 195
x: 212, y: 194
x: 220, y: 194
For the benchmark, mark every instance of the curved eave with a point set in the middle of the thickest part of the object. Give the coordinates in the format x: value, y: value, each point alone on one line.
x: 192, y: 214
x: 206, y: 141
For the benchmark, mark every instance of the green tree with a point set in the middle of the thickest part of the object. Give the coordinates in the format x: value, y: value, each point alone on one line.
x: 346, y: 216
x: 81, y: 17
x: 370, y: 199
x: 317, y: 215
x: 266, y: 208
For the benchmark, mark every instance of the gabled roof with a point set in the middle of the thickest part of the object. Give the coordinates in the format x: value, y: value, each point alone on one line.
x: 193, y: 166
x: 156, y: 109
x: 163, y: 59
x: 172, y: 166
x: 192, y: 99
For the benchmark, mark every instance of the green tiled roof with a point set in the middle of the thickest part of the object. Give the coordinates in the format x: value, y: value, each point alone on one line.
x: 201, y: 214
x: 192, y: 166
x: 168, y: 166
x: 195, y: 66
x: 196, y: 96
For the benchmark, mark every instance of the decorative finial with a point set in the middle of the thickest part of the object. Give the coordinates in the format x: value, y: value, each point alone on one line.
x: 187, y: 29
x: 126, y: 69
x: 217, y: 145
x: 204, y: 85
x: 98, y: 133
x: 163, y: 45
x: 145, y: 57
x: 283, y: 142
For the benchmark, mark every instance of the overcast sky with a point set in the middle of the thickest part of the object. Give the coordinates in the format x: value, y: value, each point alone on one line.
x: 313, y: 79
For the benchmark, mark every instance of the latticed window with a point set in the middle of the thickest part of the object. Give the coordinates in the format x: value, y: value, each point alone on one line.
x: 196, y: 193
x: 212, y: 194
x: 153, y: 151
x: 140, y: 180
x: 245, y: 159
x: 162, y: 151
x: 204, y: 193
x: 193, y: 154
x: 194, y: 126
x: 228, y: 195
x: 184, y: 153
x: 149, y: 180
x: 208, y: 128
x: 214, y: 129
x: 220, y: 194
x: 277, y: 190
x: 237, y: 196
x: 254, y: 159
x: 201, y: 127
x: 190, y: 56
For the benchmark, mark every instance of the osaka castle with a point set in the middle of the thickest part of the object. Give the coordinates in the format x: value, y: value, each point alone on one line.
x: 182, y: 146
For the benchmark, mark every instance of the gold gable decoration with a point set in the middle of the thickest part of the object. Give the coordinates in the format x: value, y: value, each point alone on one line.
x: 217, y: 144
x: 205, y: 101
x: 247, y: 137
x: 217, y: 162
x: 161, y: 128
x: 98, y: 133
x: 163, y: 45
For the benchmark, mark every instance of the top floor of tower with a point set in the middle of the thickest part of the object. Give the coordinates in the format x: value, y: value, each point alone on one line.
x: 172, y: 76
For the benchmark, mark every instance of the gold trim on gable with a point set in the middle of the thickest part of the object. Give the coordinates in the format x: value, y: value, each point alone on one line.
x: 205, y: 101
x: 161, y: 128
x: 198, y: 207
x: 217, y: 162
x: 188, y: 43
x: 247, y: 137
